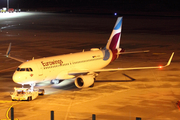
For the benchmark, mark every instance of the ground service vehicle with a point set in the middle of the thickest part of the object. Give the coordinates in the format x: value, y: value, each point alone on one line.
x: 11, y: 10
x: 25, y: 94
x: 17, y: 10
x: 3, y: 10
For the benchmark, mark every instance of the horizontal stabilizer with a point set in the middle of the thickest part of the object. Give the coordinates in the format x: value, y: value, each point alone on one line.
x: 133, y: 52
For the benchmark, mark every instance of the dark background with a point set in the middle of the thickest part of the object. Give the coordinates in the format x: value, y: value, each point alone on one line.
x: 153, y: 7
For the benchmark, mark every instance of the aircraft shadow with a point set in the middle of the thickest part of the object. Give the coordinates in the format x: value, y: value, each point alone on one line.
x: 69, y: 84
x: 66, y: 86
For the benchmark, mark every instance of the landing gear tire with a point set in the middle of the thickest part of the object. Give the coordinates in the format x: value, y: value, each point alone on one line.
x: 29, y: 98
x: 41, y: 91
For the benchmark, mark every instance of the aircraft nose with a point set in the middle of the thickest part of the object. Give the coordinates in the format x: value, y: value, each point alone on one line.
x: 18, y: 78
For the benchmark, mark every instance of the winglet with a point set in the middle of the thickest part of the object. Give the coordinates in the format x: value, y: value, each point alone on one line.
x: 8, y: 50
x: 8, y: 55
x: 170, y: 59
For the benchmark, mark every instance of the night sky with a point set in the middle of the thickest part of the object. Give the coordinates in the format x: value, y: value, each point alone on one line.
x: 96, y: 5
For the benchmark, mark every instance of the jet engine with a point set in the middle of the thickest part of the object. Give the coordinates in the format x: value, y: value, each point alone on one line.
x: 84, y: 81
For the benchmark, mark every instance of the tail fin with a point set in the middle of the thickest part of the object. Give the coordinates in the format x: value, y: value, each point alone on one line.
x: 114, y: 40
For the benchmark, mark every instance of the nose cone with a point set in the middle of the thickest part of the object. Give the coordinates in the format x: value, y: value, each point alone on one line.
x: 18, y: 78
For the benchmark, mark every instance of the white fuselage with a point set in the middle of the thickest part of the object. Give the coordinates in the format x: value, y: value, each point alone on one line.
x: 59, y: 67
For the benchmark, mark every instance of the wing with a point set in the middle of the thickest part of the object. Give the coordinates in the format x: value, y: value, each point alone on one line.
x: 8, y: 55
x: 137, y: 68
x: 80, y: 72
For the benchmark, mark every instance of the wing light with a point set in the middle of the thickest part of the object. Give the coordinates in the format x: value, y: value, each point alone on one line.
x: 160, y: 67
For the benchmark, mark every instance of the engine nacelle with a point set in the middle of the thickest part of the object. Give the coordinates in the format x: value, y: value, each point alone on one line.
x: 84, y: 81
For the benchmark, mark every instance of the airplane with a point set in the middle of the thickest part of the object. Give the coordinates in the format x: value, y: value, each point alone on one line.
x: 83, y: 66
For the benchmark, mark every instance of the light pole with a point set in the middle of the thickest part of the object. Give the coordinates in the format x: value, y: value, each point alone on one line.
x: 7, y: 4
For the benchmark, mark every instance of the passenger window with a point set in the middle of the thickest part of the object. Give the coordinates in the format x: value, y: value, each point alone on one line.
x: 27, y: 69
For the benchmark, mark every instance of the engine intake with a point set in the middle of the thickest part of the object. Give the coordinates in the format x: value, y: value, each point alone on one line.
x: 84, y: 81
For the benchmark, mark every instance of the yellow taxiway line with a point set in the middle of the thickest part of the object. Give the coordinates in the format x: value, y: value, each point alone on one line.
x: 7, y: 113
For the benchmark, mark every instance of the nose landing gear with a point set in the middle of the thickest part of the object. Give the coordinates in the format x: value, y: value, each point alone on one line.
x: 40, y: 91
x: 32, y: 86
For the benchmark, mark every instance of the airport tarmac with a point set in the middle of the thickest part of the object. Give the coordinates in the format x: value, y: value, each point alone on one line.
x: 122, y: 95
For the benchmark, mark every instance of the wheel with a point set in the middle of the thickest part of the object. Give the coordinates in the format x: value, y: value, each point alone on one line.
x: 29, y: 98
x: 41, y: 91
x: 13, y: 100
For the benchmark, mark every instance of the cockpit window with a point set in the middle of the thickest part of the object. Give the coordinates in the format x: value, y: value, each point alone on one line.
x: 18, y: 69
x: 30, y: 69
x: 24, y: 69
